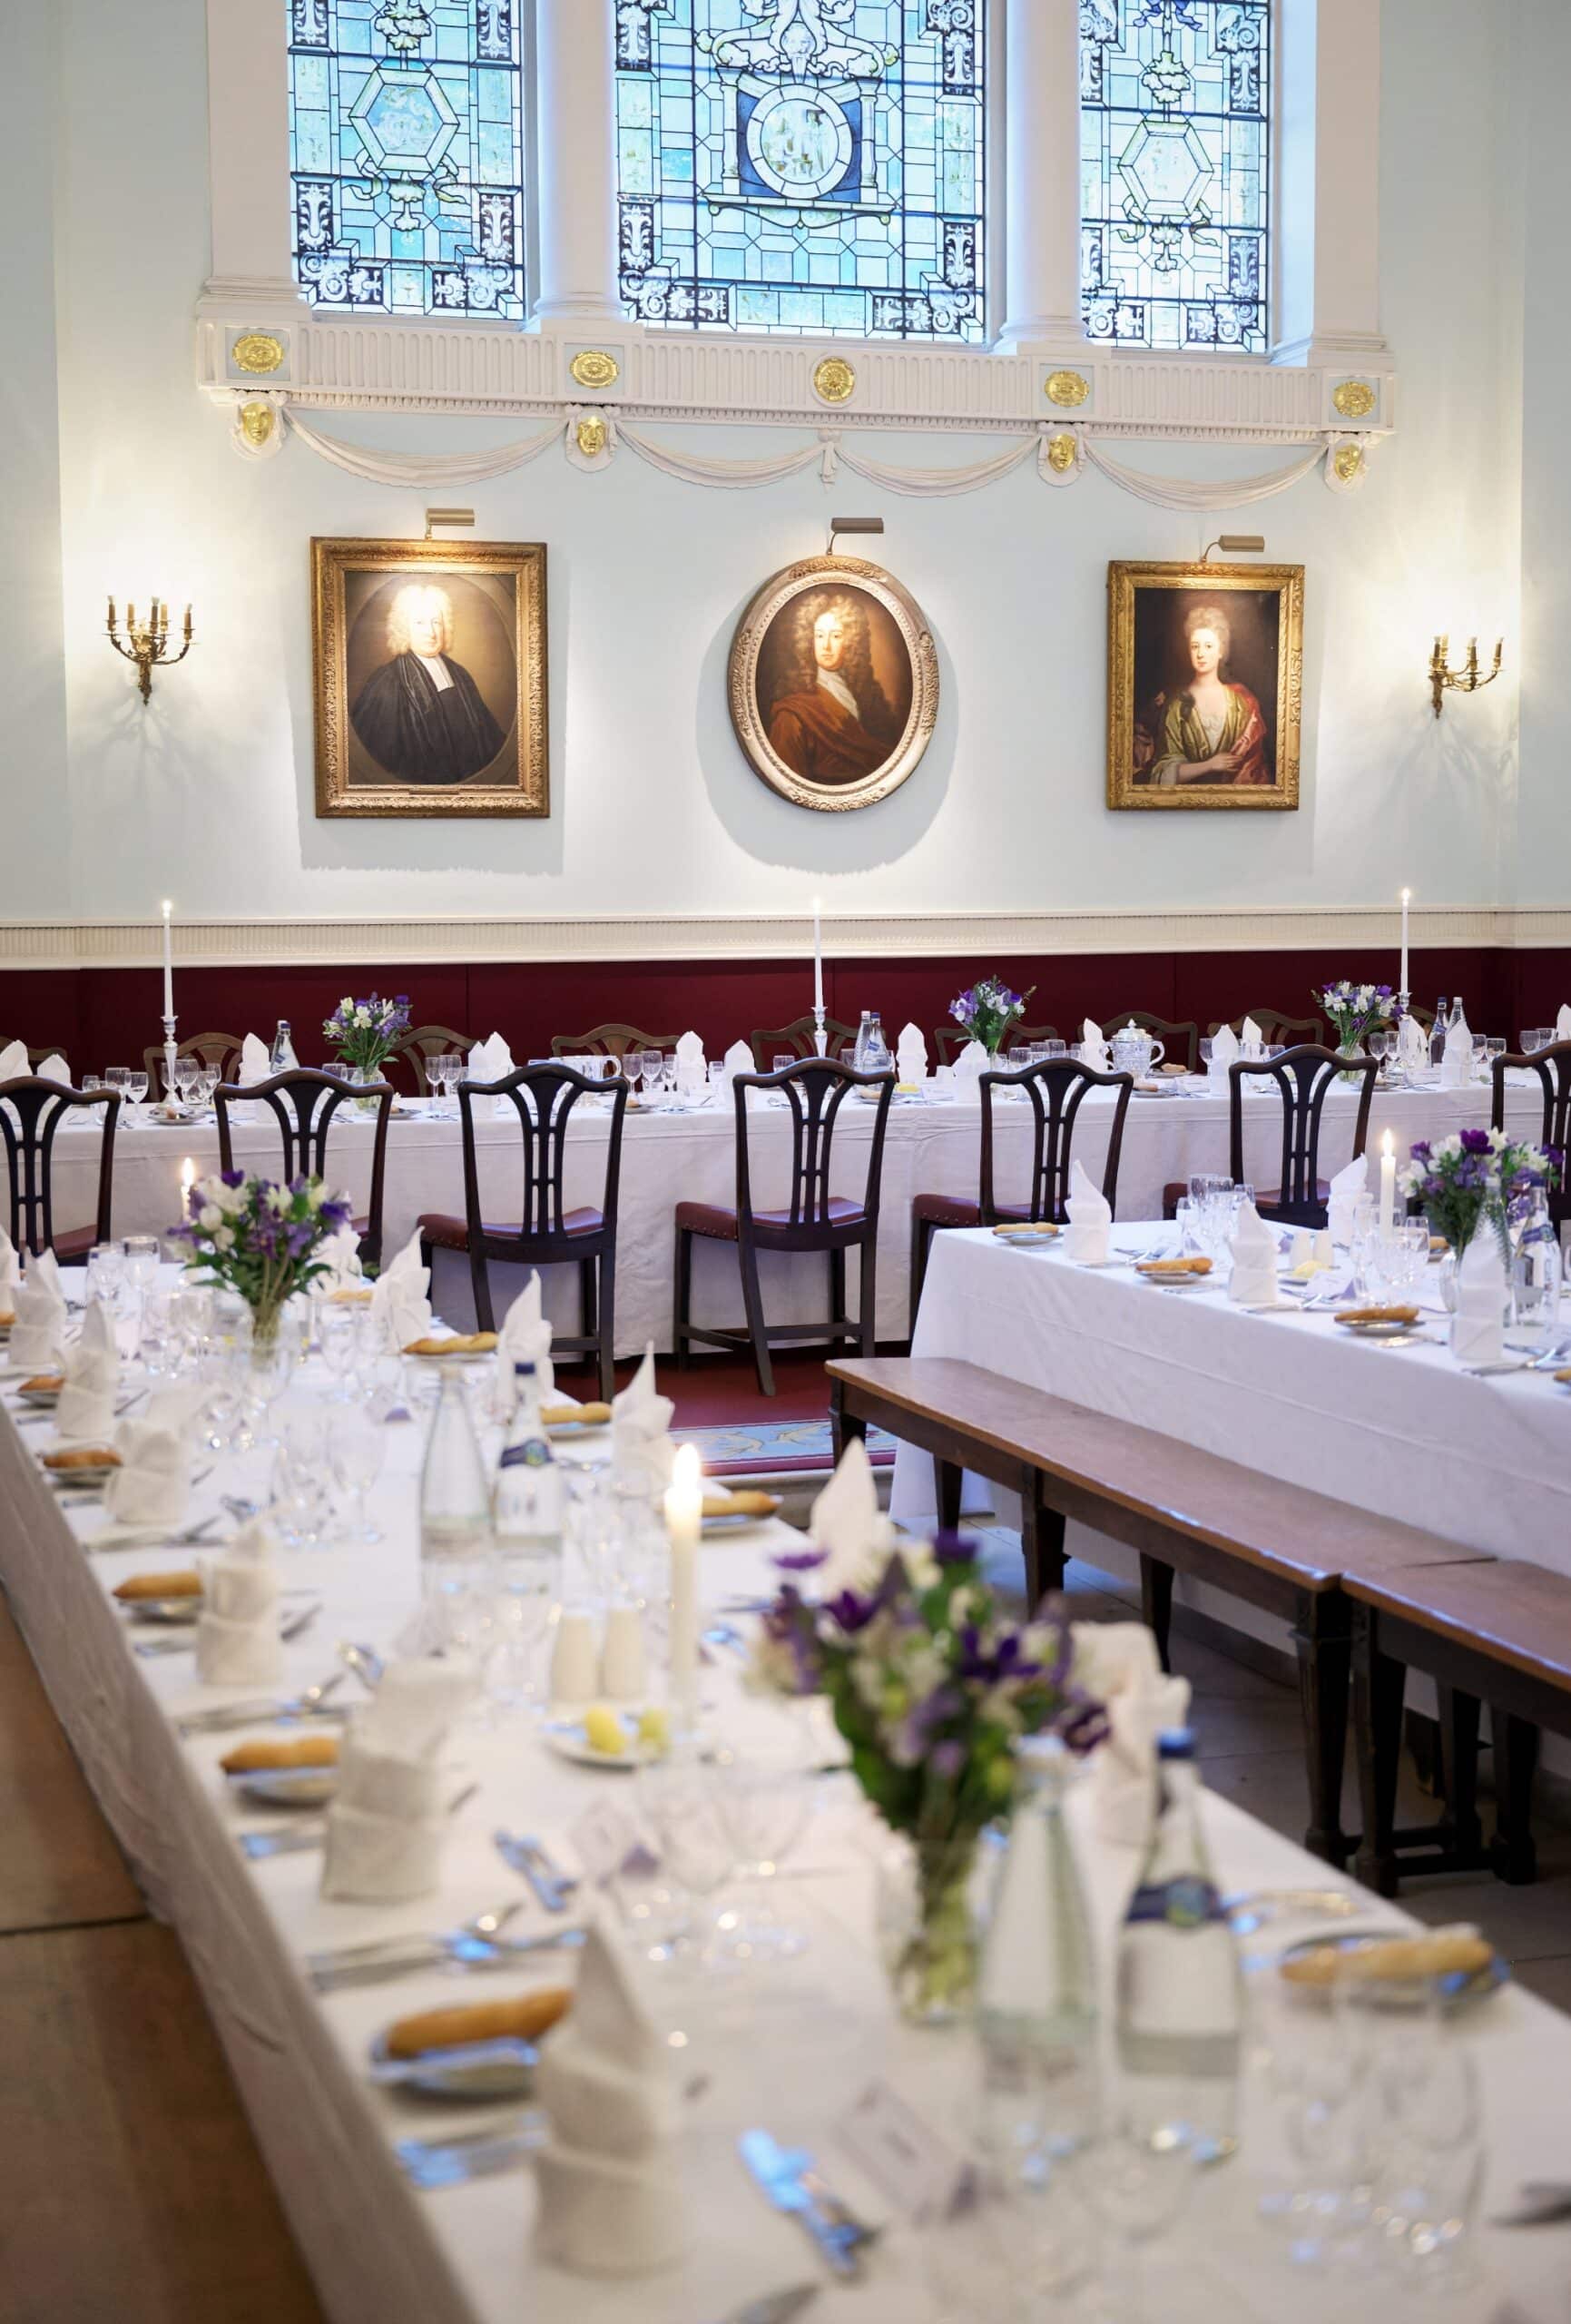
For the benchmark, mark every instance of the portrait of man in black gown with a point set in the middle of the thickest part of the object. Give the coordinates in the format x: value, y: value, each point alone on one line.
x: 431, y: 678
x: 421, y: 715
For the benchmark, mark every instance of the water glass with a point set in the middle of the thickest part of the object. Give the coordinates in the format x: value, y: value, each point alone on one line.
x: 115, y: 1078
x: 1186, y: 1215
x: 1539, y: 1038
x: 105, y: 1273
x: 1055, y: 1050
x: 187, y: 1074
x: 1206, y: 1046
x: 141, y: 1259
x: 1019, y: 1057
x: 136, y: 1086
x: 782, y: 1064
x: 1422, y: 2132
x: 355, y: 1451
x: 341, y: 1340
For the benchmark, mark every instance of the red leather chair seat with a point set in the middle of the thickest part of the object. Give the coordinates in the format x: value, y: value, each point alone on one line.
x: 946, y: 1210
x: 76, y: 1243
x: 446, y: 1232
x: 719, y: 1225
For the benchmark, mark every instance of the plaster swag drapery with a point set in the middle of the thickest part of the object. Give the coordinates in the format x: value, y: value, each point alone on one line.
x: 829, y: 453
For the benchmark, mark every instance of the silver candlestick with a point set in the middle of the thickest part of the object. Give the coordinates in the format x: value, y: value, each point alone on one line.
x: 820, y: 1038
x: 170, y: 1052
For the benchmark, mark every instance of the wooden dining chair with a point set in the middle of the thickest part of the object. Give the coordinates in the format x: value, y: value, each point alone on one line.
x: 815, y: 1088
x: 766, y: 1046
x: 949, y: 1040
x: 1275, y: 1027
x: 544, y: 1233
x: 1305, y: 1077
x: 219, y: 1050
x: 1553, y: 1067
x: 1056, y: 1088
x: 1180, y: 1042
x: 41, y: 1056
x: 31, y: 1111
x: 303, y: 1103
x: 609, y: 1040
x: 423, y: 1042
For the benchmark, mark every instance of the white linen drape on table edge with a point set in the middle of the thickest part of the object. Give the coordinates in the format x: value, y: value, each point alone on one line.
x: 829, y: 453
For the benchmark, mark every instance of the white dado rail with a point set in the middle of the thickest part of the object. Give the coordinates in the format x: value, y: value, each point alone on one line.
x: 762, y: 936
x: 1332, y: 373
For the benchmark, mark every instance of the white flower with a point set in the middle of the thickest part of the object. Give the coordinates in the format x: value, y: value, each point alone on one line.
x: 209, y: 1217
x: 228, y: 1200
x: 315, y: 1194
x: 222, y: 1238
x: 278, y: 1200
x: 347, y: 1001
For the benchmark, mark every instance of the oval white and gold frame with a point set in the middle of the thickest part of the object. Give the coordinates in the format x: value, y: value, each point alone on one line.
x: 794, y: 581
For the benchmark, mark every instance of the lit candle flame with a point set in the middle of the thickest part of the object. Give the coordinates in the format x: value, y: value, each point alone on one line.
x: 1389, y: 1144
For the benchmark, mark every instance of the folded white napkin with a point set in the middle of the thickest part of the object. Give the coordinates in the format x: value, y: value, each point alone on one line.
x: 10, y: 1271
x: 912, y: 1055
x: 388, y: 1818
x: 37, y: 1341
x: 1412, y: 1046
x: 846, y: 1520
x: 55, y: 1068
x: 642, y: 1451
x: 1477, y: 1325
x: 150, y: 1487
x: 237, y: 1631
x: 13, y: 1065
x: 85, y: 1410
x: 525, y: 1338
x: 400, y: 1311
x: 1124, y: 1773
x: 1252, y: 1282
x: 1095, y: 1051
x: 340, y: 1255
x: 739, y: 1058
x: 969, y: 1066
x: 1562, y: 1027
x: 1090, y: 1216
x: 1457, y: 1064
x: 489, y: 1060
x: 254, y: 1063
x: 1345, y: 1191
x: 175, y: 1409
x: 1223, y: 1050
x: 692, y: 1072
x: 1250, y: 1035
x: 610, y: 2188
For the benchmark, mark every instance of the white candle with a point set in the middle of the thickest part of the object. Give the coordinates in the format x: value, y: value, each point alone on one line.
x: 1407, y: 898
x: 1388, y: 1184
x: 167, y: 908
x: 818, y: 956
x: 187, y: 1180
x: 684, y: 1517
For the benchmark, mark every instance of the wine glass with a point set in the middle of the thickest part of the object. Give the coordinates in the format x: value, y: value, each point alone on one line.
x: 355, y: 1452
x: 682, y: 1802
x: 136, y: 1087
x: 141, y: 1260
x: 115, y: 1078
x: 187, y: 1070
x: 105, y: 1273
x: 631, y: 1068
x: 338, y: 1338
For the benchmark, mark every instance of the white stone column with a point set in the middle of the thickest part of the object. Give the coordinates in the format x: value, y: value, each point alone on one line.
x: 1328, y: 161
x: 575, y: 163
x: 1042, y: 175
x: 249, y: 164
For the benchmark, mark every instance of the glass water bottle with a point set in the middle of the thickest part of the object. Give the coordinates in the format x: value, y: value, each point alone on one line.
x: 456, y: 1541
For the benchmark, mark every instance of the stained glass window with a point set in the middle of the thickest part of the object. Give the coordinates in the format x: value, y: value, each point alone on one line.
x: 1175, y: 144
x: 806, y: 167
x: 406, y: 153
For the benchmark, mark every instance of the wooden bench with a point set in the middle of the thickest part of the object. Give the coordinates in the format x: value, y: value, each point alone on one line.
x: 1256, y: 1537
x: 1500, y: 1634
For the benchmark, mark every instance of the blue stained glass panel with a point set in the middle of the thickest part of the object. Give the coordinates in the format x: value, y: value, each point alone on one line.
x: 807, y: 167
x: 407, y: 155
x: 1176, y: 190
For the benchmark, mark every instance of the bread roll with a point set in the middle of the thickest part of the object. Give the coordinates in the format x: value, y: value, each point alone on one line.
x: 522, y: 2019
x: 186, y: 1583
x: 1397, y: 1314
x: 456, y: 1344
x: 587, y: 1415
x: 1446, y: 1952
x: 748, y: 1503
x: 265, y: 1751
x: 83, y: 1456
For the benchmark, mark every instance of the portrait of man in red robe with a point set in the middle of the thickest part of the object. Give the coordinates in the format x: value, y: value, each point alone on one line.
x: 828, y: 716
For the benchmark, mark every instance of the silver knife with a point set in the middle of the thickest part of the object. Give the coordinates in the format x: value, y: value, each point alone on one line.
x: 775, y: 2306
x: 432, y: 1953
x: 219, y: 1722
x: 778, y: 2172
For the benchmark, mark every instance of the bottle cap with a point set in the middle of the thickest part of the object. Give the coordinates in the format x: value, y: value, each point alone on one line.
x: 1175, y: 1743
x: 524, y: 1371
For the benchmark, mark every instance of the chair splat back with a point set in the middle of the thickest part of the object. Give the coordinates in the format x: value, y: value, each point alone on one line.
x: 31, y: 1111
x: 1056, y: 1089
x: 767, y: 1043
x: 542, y: 1097
x: 1304, y: 1077
x: 815, y: 1088
x: 1553, y: 1067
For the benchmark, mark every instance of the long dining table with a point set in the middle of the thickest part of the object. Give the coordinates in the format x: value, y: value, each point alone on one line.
x: 791, y: 2045
x: 670, y: 1156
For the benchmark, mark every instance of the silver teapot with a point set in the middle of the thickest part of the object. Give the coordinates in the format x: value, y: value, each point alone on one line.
x: 1135, y: 1052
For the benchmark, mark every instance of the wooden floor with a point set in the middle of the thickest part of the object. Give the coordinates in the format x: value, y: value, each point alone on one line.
x: 131, y: 2188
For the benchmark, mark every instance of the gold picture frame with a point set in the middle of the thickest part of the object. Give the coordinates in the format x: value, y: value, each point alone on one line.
x: 833, y: 684
x: 1185, y: 693
x: 430, y: 678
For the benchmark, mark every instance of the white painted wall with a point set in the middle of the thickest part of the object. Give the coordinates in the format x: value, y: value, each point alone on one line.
x: 655, y: 808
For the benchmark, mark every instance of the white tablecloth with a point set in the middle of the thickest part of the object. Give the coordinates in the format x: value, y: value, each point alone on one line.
x: 669, y: 1157
x: 789, y: 2048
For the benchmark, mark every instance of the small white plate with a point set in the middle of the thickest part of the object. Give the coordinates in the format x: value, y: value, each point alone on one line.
x: 182, y: 1611
x: 287, y: 1786
x: 566, y: 1737
x: 87, y: 1482
x: 44, y: 1399
x: 1027, y: 1242
x: 1382, y: 1328
x: 491, y: 2070
x: 1176, y: 1282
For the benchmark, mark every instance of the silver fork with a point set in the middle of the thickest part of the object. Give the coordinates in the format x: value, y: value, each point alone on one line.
x: 430, y: 2163
x: 530, y: 1858
x: 482, y: 1924
x: 365, y: 1662
x: 307, y: 1704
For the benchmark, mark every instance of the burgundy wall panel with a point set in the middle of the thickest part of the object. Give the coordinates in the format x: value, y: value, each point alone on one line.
x: 101, y: 1017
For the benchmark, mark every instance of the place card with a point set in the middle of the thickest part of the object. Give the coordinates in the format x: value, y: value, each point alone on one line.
x: 603, y: 1839
x: 906, y: 2158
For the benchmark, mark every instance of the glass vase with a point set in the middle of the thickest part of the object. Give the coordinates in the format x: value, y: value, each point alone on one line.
x: 928, y: 1934
x: 365, y: 1076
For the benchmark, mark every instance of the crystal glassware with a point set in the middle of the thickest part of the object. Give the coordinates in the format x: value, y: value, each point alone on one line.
x: 356, y: 1446
x: 136, y: 1087
x: 115, y: 1078
x: 141, y: 1259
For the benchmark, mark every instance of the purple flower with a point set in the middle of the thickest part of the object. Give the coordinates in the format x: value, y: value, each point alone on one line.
x: 850, y: 1613
x: 233, y: 1177
x: 1473, y: 1141
x: 801, y: 1561
x: 952, y: 1548
x: 947, y: 1759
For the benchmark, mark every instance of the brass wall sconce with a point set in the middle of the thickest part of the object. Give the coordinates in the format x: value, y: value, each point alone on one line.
x: 147, y: 643
x: 1235, y: 545
x: 458, y: 516
x: 853, y: 525
x: 1467, y: 679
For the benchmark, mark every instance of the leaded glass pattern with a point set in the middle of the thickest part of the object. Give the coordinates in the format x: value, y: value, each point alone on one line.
x: 1174, y: 143
x: 806, y: 167
x: 405, y: 155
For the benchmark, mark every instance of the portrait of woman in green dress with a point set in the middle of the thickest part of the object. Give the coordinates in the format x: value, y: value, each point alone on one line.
x: 1205, y: 685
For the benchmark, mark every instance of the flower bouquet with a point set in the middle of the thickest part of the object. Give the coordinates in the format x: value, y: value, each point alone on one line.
x: 1473, y: 1173
x: 367, y: 1032
x: 931, y: 1683
x: 1353, y: 1008
x: 253, y: 1236
x: 987, y: 1009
